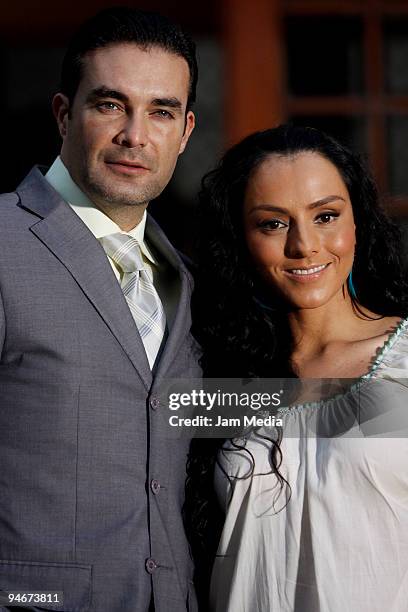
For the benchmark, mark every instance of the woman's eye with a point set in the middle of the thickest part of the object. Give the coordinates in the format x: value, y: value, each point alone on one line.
x: 272, y: 224
x: 327, y: 217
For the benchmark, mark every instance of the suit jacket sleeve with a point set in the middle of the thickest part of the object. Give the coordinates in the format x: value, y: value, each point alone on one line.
x: 2, y: 325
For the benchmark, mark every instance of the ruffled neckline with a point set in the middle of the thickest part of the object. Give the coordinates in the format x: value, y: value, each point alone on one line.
x: 381, y: 354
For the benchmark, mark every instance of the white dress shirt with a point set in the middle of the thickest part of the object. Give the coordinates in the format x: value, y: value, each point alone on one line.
x: 101, y: 225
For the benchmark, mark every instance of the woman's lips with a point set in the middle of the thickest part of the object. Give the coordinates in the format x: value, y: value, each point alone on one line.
x: 306, y: 274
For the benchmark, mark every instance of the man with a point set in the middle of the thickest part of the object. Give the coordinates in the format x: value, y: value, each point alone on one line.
x: 94, y: 313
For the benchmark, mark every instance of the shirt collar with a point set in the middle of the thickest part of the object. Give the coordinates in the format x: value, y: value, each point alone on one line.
x: 97, y: 222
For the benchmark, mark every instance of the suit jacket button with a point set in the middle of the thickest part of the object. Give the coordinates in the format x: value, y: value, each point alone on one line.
x: 155, y: 486
x: 151, y: 565
x: 154, y: 402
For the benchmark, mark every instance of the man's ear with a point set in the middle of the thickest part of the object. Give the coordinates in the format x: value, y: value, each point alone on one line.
x: 189, y: 127
x: 60, y: 108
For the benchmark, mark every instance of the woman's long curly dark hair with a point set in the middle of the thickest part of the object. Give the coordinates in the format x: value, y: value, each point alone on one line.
x: 241, y: 337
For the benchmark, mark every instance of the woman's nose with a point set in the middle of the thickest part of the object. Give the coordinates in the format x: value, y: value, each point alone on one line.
x: 302, y: 242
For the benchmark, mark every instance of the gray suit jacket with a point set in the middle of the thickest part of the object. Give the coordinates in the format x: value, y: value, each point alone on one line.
x: 91, y: 488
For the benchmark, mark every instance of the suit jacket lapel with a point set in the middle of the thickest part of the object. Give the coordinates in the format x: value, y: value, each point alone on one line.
x: 182, y: 321
x: 66, y: 236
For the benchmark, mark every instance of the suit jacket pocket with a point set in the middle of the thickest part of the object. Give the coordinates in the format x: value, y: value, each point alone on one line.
x: 72, y: 579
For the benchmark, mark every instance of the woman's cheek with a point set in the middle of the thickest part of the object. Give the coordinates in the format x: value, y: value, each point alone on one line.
x: 342, y: 243
x: 265, y: 251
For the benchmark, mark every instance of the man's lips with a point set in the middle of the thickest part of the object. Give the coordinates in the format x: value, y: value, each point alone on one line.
x: 128, y: 167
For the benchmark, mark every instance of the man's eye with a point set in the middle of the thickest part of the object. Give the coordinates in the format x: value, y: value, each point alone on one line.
x: 327, y: 218
x: 163, y: 113
x: 107, y: 106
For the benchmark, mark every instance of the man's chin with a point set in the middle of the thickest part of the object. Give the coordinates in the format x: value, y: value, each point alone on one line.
x: 106, y: 196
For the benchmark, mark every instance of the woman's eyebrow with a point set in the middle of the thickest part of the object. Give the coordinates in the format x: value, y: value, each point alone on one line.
x: 285, y: 211
x: 326, y: 200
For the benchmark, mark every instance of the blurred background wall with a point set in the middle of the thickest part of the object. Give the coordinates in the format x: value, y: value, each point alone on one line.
x: 337, y: 65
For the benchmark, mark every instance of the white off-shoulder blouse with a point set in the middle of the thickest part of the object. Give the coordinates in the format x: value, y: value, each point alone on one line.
x: 340, y: 544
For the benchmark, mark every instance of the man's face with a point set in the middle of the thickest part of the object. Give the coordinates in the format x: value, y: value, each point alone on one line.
x: 127, y: 124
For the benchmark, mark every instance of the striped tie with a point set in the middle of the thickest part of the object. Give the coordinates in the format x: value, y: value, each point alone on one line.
x: 138, y: 289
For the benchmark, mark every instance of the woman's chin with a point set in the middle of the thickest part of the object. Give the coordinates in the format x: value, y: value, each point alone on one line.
x: 311, y: 300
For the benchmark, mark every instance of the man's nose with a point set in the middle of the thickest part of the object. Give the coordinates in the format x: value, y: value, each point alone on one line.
x: 134, y: 132
x: 302, y: 241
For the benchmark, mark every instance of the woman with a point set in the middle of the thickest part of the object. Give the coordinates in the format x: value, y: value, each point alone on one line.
x: 301, y: 276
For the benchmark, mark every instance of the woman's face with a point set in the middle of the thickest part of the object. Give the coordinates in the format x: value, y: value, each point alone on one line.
x: 299, y: 228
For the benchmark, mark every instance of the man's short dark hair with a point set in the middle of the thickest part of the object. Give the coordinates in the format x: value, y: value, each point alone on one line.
x: 127, y: 25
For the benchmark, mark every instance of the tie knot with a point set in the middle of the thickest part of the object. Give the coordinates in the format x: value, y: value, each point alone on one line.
x: 124, y: 250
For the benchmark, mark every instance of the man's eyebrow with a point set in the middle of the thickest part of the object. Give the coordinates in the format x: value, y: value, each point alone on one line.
x: 105, y: 92
x: 317, y: 204
x: 173, y: 103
